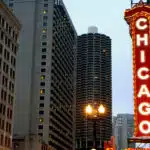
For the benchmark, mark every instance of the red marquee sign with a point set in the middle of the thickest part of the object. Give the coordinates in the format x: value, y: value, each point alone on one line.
x: 138, y: 19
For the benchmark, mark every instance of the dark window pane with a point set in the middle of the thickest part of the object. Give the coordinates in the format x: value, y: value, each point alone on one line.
x: 42, y: 83
x: 43, y: 56
x: 40, y: 126
x: 43, y: 63
x: 41, y: 105
x: 43, y: 70
x: 43, y: 49
x: 41, y: 112
x: 41, y: 97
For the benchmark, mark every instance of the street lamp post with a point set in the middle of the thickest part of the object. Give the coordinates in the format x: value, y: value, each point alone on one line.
x: 94, y: 113
x: 94, y: 134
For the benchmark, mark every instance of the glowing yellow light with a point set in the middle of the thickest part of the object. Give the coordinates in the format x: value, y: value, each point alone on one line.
x: 41, y: 120
x: 41, y: 91
x: 101, y: 109
x: 42, y: 77
x: 88, y: 109
x: 44, y: 30
x: 44, y: 11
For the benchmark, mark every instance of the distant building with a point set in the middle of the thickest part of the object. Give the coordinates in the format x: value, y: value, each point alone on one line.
x: 123, y: 128
x: 9, y: 32
x: 93, y: 85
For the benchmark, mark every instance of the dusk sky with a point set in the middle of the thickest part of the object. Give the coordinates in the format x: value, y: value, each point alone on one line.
x: 108, y: 16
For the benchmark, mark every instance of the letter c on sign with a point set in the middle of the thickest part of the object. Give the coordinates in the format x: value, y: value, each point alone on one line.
x: 139, y: 73
x: 147, y: 111
x: 144, y: 131
x: 138, y: 23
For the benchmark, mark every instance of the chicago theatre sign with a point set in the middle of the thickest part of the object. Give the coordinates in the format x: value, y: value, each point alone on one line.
x: 138, y: 18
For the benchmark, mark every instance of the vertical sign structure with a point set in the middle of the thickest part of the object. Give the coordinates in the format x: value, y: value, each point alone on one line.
x: 138, y: 18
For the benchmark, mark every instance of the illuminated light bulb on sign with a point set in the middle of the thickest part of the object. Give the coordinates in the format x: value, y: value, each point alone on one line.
x: 145, y: 130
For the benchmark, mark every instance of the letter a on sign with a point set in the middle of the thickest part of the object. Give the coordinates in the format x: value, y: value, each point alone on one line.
x: 144, y: 91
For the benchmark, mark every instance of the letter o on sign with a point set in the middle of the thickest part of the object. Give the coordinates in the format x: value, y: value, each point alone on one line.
x: 141, y: 127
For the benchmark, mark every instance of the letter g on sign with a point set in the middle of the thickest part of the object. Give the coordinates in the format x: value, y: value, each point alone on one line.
x: 147, y: 108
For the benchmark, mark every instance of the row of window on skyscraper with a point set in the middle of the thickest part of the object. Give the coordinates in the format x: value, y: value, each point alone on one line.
x: 44, y: 22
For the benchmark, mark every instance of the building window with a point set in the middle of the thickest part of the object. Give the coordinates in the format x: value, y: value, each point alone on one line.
x: 2, y: 139
x: 42, y: 77
x: 10, y: 99
x: 44, y: 36
x: 1, y: 48
x: 2, y: 35
x: 0, y: 63
x: 6, y: 141
x: 43, y: 56
x: 6, y: 55
x: 4, y: 81
x: 44, y: 30
x: 43, y: 70
x: 10, y: 30
x: 13, y: 61
x: 42, y: 91
x: 42, y: 83
x: 15, y: 49
x: 43, y: 49
x: 3, y: 22
x: 11, y: 4
x: 44, y: 43
x: 3, y: 95
x: 41, y: 112
x: 41, y: 120
x: 45, y: 17
x: 40, y: 127
x: 45, y: 12
x: 41, y: 97
x: 43, y: 63
x: 4, y: 109
x: 5, y: 68
x: 45, y: 5
x: 44, y: 24
x: 41, y: 104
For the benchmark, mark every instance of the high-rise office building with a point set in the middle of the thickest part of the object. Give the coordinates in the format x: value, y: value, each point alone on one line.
x: 123, y: 128
x: 9, y: 32
x: 45, y: 72
x: 93, y: 85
